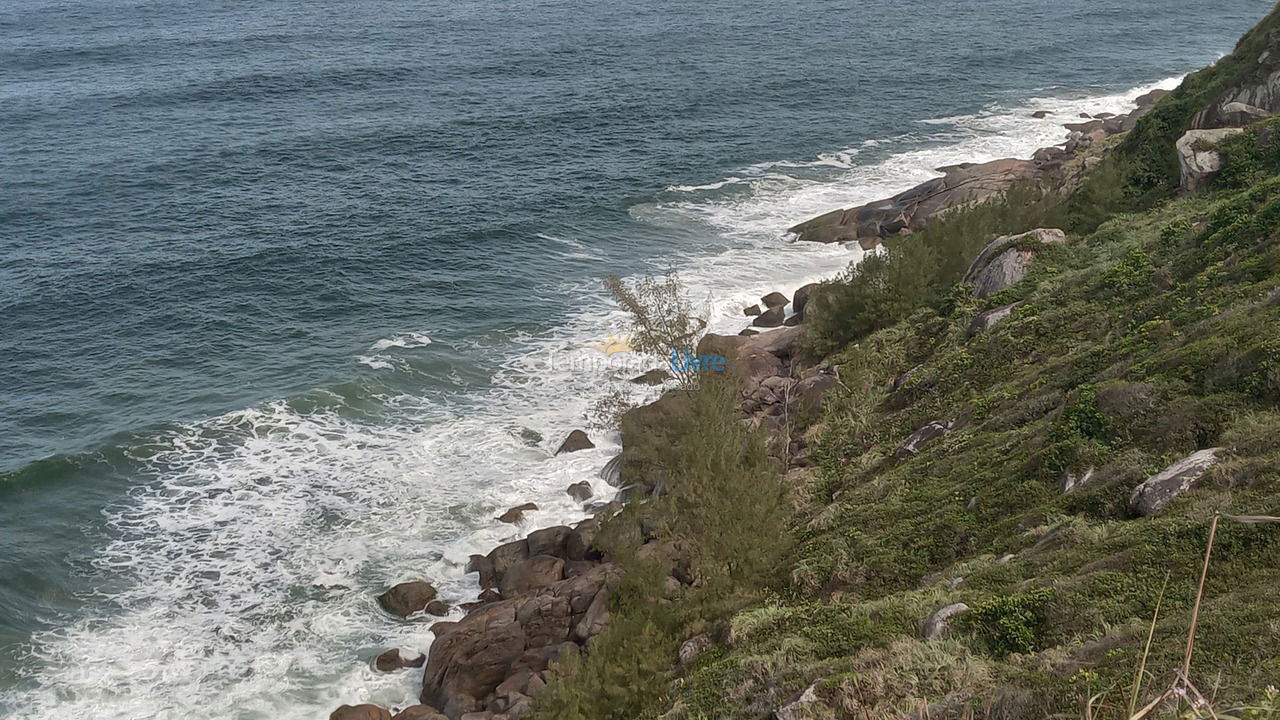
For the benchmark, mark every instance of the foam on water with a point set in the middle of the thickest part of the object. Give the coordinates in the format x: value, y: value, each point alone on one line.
x: 240, y: 578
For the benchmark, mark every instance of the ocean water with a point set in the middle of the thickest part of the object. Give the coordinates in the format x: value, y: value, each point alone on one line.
x: 282, y: 283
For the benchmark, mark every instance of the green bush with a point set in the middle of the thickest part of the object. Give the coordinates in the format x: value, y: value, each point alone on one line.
x: 1011, y: 624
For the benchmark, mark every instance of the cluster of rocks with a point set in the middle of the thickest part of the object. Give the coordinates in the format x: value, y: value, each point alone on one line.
x: 775, y: 309
x: 968, y: 183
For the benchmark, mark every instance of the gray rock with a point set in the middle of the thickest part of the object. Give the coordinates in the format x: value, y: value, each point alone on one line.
x: 1007, y: 260
x: 1160, y: 489
x: 693, y: 648
x: 988, y: 319
x: 1198, y: 158
x: 549, y: 541
x: 800, y: 707
x: 576, y: 441
x: 751, y: 311
x: 1070, y: 481
x: 940, y: 623
x: 925, y: 435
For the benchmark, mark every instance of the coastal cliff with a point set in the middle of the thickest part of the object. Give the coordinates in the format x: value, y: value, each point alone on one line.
x: 978, y: 475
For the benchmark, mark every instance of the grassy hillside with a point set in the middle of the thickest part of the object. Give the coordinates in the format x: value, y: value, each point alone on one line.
x: 1151, y: 334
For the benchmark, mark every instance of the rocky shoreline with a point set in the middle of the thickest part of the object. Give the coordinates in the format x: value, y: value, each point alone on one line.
x: 545, y: 596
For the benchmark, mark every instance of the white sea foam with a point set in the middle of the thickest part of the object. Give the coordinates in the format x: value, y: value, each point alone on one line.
x: 402, y: 340
x: 242, y: 575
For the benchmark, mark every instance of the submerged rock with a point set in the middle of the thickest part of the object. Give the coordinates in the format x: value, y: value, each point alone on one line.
x: 1160, y: 489
x: 577, y: 440
x: 407, y: 598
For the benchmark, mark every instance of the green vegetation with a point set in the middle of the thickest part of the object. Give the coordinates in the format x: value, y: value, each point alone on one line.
x: 1154, y: 332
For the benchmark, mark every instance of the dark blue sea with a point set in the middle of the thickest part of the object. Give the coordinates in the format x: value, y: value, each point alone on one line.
x: 283, y: 285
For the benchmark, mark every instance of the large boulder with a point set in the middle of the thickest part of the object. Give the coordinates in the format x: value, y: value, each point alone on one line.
x: 1007, y: 260
x: 912, y: 210
x: 1198, y: 156
x: 774, y: 300
x: 536, y: 572
x: 1160, y: 489
x: 407, y: 598
x: 801, y: 301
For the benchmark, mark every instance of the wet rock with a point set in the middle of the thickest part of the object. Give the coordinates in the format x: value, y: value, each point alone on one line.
x: 693, y: 648
x: 407, y: 598
x: 1160, y: 489
x: 530, y: 437
x: 1041, y: 114
x: 1198, y: 158
x: 576, y: 441
x: 360, y: 712
x: 395, y: 659
x: 419, y: 712
x: 751, y: 311
x: 988, y: 319
x: 940, y: 623
x: 773, y: 317
x: 774, y: 300
x: 748, y: 332
x: 438, y: 608
x: 922, y: 437
x: 580, y: 491
x: 516, y: 514
x: 1007, y: 260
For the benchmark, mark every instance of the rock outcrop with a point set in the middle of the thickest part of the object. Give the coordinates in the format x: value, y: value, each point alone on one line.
x: 360, y: 712
x: 911, y: 210
x: 1198, y: 157
x: 1007, y: 260
x: 1160, y: 489
x: 988, y: 319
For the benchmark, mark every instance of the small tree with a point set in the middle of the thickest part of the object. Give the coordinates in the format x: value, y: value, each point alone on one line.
x: 663, y: 320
